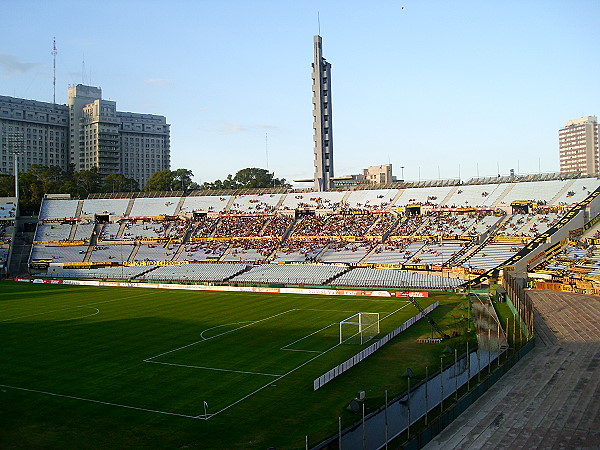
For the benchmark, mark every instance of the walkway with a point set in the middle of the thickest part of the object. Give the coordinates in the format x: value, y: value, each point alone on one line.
x: 549, y: 399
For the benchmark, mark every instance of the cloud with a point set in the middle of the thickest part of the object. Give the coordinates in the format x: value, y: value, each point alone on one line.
x: 11, y: 65
x: 157, y: 82
x: 230, y: 128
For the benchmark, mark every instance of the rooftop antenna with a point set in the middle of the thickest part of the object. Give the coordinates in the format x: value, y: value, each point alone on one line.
x: 267, y: 148
x: 54, y: 52
x: 319, y: 22
x: 83, y: 69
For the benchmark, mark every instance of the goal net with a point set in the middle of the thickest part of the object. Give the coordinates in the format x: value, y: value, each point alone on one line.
x: 359, y: 328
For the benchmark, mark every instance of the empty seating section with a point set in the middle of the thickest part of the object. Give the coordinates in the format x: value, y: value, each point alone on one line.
x: 540, y: 223
x: 250, y: 249
x: 153, y: 252
x: 436, y: 254
x: 371, y: 199
x: 289, y: 274
x: 111, y: 253
x: 202, y: 250
x: 448, y: 224
x: 109, y: 231
x: 491, y: 255
x: 480, y: 195
x: 433, y: 196
x: 255, y: 203
x: 347, y: 252
x: 58, y: 209
x: 8, y: 210
x: 539, y: 191
x: 115, y: 273
x: 395, y: 251
x: 322, y: 200
x: 149, y: 207
x: 52, y: 232
x: 207, y: 203
x: 144, y: 230
x: 105, y: 206
x: 515, y: 225
x: 84, y: 231
x: 194, y: 272
x: 62, y: 254
x: 299, y: 250
x: 578, y: 191
x: 366, y: 277
x: 484, y: 224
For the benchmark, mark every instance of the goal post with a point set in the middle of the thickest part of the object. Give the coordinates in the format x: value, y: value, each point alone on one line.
x: 359, y: 328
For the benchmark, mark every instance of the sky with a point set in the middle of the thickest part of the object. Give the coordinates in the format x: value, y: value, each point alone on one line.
x: 443, y: 89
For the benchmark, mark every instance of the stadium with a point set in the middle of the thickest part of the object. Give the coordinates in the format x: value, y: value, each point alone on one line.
x: 260, y: 291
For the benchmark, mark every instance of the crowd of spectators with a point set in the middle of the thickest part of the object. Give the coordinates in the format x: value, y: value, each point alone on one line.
x: 408, y: 225
x: 204, y: 226
x: 240, y: 226
x: 334, y: 225
x: 277, y: 226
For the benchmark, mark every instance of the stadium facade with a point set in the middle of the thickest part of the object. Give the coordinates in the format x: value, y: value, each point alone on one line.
x: 87, y: 132
x: 578, y: 146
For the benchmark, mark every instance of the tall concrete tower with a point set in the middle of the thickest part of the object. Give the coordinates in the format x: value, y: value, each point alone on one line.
x: 322, y: 127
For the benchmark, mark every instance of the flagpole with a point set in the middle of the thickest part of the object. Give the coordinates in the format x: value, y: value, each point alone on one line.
x: 205, y: 410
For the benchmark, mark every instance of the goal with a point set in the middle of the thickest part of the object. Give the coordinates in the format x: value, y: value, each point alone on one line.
x: 359, y: 328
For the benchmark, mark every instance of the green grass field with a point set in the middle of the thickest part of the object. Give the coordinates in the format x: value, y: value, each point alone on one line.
x: 88, y: 367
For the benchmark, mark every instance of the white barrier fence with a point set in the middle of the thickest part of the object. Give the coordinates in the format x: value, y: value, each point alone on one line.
x: 341, y: 368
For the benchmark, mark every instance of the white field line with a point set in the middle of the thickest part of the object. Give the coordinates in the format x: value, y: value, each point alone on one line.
x: 217, y: 335
x: 287, y: 373
x: 75, y: 306
x: 274, y: 381
x: 304, y: 337
x: 215, y: 368
x: 219, y: 326
x: 97, y: 401
x: 81, y: 317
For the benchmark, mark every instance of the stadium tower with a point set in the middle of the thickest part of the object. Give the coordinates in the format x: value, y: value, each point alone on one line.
x: 322, y: 129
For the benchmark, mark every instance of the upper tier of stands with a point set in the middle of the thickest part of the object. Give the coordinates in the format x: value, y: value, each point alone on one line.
x: 551, y: 192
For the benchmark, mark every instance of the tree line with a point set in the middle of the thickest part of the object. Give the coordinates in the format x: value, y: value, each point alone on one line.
x: 39, y: 180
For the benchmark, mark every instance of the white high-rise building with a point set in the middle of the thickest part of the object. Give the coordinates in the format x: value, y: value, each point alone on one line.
x: 87, y: 132
x: 578, y: 146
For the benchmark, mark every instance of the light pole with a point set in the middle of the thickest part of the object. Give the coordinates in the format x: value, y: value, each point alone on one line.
x: 402, y: 169
x: 16, y: 143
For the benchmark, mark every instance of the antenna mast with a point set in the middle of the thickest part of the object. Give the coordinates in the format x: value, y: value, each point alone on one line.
x: 54, y: 52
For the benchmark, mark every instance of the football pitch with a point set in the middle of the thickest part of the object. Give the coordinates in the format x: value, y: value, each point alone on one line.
x: 197, y: 358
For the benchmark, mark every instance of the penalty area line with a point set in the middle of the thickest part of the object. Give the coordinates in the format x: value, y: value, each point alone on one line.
x: 214, y: 368
x: 137, y: 408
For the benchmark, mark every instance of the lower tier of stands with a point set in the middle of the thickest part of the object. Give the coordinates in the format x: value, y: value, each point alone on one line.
x: 289, y: 274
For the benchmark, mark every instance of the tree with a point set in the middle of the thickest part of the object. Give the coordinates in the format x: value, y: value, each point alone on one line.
x: 248, y: 178
x: 117, y: 182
